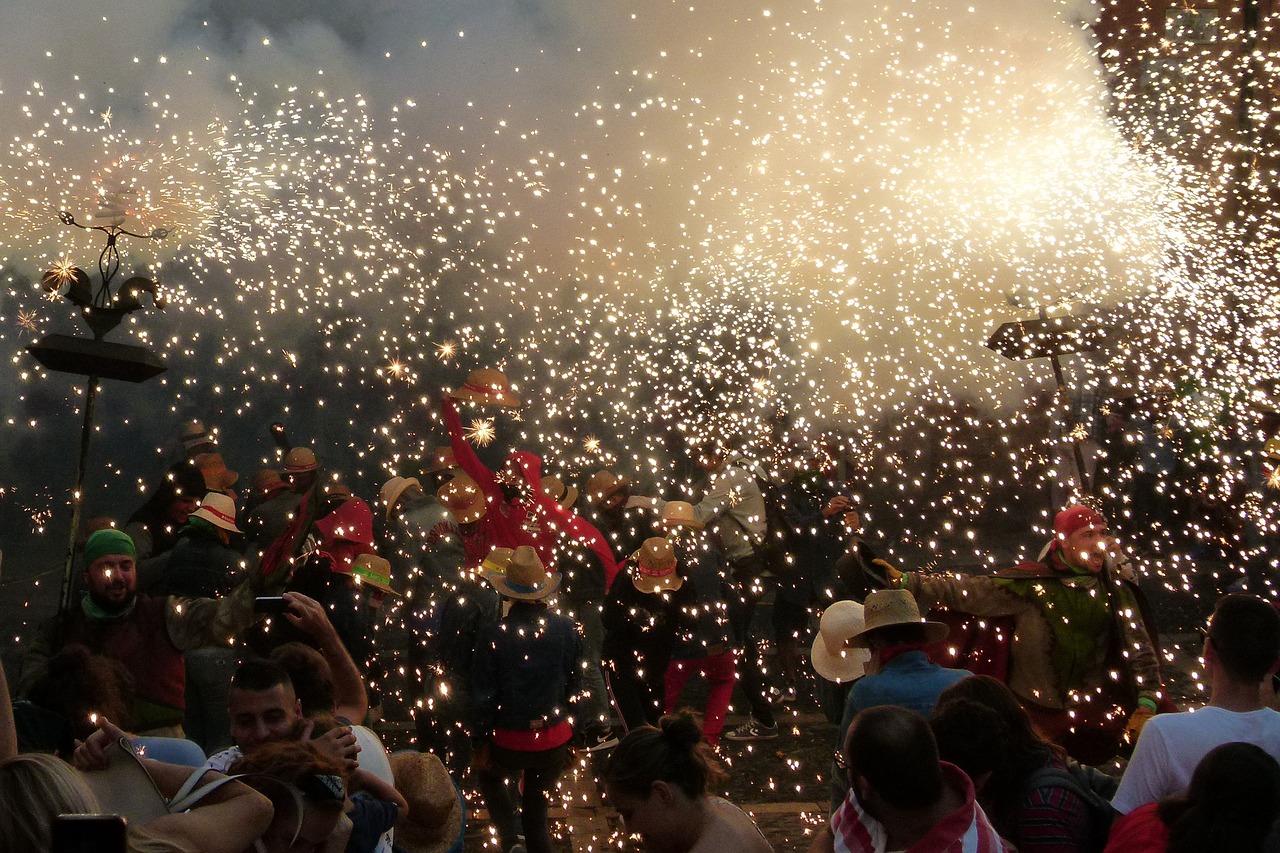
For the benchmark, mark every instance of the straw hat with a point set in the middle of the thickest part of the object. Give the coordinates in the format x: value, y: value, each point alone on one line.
x: 679, y: 514
x: 497, y: 561
x: 832, y: 659
x: 656, y: 567
x: 442, y: 459
x: 300, y: 460
x: 435, y: 820
x: 604, y: 485
x: 487, y: 387
x: 219, y: 510
x: 391, y: 491
x: 372, y: 570
x: 887, y: 607
x: 268, y: 481
x: 463, y: 498
x: 526, y: 579
x: 214, y: 469
x: 194, y: 435
x: 554, y: 488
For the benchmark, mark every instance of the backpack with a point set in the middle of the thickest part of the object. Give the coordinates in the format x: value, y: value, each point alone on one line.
x: 1092, y: 786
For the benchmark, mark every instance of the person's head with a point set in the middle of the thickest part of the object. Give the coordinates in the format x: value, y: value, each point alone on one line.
x: 110, y: 574
x: 291, y: 774
x: 310, y: 674
x: 301, y: 469
x: 1083, y: 536
x: 653, y: 778
x: 980, y: 727
x: 892, y: 618
x: 1231, y: 804
x: 264, y: 707
x: 1244, y: 638
x: 892, y: 761
x: 78, y: 685
x: 34, y: 789
x: 180, y: 492
x: 607, y: 490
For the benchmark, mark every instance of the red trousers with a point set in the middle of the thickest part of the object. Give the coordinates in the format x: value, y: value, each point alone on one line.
x: 719, y: 671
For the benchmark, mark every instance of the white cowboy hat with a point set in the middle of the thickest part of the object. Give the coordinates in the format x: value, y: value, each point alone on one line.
x: 832, y: 658
x: 219, y: 510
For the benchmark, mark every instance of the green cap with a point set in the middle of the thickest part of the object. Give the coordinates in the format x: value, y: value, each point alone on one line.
x: 109, y: 542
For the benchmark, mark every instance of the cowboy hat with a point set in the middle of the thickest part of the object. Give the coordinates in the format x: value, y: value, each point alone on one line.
x: 554, y: 488
x: 603, y: 485
x: 268, y: 481
x: 219, y: 510
x: 463, y: 498
x: 391, y: 491
x: 487, y: 387
x: 442, y: 459
x: 300, y: 460
x: 194, y: 436
x: 832, y: 659
x: 214, y: 470
x: 885, y: 608
x: 679, y: 514
x: 656, y: 567
x: 435, y: 820
x: 372, y: 570
x: 526, y: 579
x: 497, y: 561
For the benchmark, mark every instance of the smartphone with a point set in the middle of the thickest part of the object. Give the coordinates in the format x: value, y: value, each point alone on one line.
x: 89, y: 833
x: 273, y: 604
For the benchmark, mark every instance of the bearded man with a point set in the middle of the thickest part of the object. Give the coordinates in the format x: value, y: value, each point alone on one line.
x: 147, y: 634
x: 1082, y: 660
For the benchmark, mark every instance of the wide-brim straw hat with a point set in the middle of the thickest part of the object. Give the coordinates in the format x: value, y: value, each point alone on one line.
x: 496, y: 561
x: 391, y: 491
x: 219, y: 510
x: 554, y: 488
x: 217, y: 477
x: 372, y: 570
x: 464, y: 499
x: 487, y: 387
x: 268, y: 481
x: 680, y: 514
x: 194, y: 435
x: 656, y: 567
x: 603, y: 485
x: 442, y: 459
x: 526, y: 578
x: 832, y: 657
x: 300, y: 460
x: 885, y: 608
x: 435, y: 820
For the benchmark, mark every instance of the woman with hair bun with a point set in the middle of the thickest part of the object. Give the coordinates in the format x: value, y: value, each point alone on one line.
x: 657, y: 780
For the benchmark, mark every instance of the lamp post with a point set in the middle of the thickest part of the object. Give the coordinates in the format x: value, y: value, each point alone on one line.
x: 1050, y: 337
x: 102, y: 310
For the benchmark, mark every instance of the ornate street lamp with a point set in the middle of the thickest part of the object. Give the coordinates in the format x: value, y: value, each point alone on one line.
x: 102, y: 310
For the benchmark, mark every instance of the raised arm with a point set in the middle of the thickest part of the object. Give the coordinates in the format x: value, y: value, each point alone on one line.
x: 466, y: 457
x: 350, y: 699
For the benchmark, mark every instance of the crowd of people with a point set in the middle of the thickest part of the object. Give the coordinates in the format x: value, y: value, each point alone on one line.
x: 230, y: 643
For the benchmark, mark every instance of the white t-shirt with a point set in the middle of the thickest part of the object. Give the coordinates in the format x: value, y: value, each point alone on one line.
x: 1171, y: 745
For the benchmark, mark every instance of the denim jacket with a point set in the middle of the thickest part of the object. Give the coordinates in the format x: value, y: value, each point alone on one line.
x: 525, y: 671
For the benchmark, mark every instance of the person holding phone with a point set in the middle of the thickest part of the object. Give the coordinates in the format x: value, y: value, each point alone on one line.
x: 36, y: 788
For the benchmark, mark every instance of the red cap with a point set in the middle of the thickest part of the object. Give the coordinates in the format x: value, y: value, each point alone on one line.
x: 1076, y: 518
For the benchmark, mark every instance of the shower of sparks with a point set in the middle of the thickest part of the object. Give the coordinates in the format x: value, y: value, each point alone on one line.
x: 481, y: 432
x: 788, y: 234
